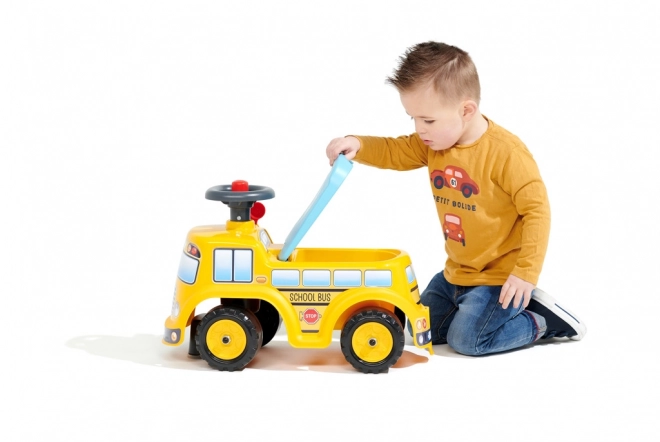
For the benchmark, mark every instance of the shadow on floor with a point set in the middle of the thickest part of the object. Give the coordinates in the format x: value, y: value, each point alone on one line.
x: 277, y: 355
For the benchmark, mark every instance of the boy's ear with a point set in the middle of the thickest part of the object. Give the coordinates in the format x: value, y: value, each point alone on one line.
x: 469, y: 109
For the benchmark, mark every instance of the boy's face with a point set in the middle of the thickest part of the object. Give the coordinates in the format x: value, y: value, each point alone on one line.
x: 439, y: 124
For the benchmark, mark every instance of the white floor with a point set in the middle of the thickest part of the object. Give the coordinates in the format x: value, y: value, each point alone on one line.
x: 115, y: 117
x: 113, y: 386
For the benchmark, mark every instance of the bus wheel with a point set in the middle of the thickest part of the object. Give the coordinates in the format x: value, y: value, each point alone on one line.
x: 372, y: 340
x: 270, y: 321
x: 399, y: 314
x: 228, y: 338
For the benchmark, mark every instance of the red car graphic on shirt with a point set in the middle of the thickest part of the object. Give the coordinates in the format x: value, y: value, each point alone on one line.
x: 455, y: 178
x: 452, y: 228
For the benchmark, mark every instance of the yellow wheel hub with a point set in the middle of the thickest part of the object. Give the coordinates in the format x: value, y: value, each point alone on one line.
x: 372, y: 342
x: 226, y: 339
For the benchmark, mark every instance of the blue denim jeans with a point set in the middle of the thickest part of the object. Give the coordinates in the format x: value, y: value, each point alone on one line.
x: 472, y: 321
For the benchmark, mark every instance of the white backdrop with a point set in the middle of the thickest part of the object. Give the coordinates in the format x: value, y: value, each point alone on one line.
x: 116, y: 116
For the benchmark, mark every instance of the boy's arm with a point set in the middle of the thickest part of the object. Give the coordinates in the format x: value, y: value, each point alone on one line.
x: 522, y: 180
x: 406, y: 152
x: 402, y: 153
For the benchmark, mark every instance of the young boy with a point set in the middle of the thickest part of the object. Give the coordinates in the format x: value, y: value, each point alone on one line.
x: 491, y: 202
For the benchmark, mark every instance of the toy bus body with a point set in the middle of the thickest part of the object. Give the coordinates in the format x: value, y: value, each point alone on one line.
x: 316, y: 290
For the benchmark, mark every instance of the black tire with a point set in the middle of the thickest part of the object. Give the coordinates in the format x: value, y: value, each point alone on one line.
x: 463, y: 242
x: 270, y: 320
x: 467, y: 191
x: 192, y: 345
x: 439, y: 182
x: 228, y: 338
x: 400, y: 315
x: 386, y: 341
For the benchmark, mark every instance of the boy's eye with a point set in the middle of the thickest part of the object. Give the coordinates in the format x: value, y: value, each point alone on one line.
x: 425, y: 121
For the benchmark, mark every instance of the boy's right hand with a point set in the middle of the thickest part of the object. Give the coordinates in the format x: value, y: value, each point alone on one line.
x: 347, y: 145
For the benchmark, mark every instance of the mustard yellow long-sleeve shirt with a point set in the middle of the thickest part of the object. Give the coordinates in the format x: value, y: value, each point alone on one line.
x: 491, y: 202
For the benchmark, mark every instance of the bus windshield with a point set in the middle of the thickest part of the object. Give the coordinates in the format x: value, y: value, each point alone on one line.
x: 188, y: 269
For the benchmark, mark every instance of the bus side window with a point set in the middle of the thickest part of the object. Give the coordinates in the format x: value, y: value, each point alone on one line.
x: 378, y: 278
x: 316, y: 278
x: 232, y: 265
x: 242, y: 265
x: 347, y: 278
x: 222, y: 265
x: 285, y: 278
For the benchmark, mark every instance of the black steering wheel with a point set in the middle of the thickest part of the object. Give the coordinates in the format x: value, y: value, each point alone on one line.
x: 240, y: 197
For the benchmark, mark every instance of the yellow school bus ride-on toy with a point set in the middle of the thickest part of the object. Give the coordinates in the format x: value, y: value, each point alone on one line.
x: 365, y: 293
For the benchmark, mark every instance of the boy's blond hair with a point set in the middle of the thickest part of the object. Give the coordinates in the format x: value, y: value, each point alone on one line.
x: 448, y: 68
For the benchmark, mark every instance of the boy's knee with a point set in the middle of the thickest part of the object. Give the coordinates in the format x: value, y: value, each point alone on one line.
x: 437, y: 280
x: 435, y: 290
x: 460, y: 344
x: 426, y: 298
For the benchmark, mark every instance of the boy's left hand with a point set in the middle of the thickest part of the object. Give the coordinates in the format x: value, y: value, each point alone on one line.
x: 516, y: 289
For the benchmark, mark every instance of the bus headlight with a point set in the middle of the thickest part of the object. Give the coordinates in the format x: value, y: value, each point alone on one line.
x: 423, y: 338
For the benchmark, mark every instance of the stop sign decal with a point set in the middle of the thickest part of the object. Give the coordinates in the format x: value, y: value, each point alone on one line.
x: 311, y: 316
